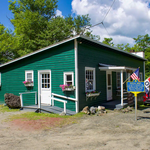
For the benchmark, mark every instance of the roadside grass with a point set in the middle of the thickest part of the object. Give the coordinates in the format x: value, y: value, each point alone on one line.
x: 37, y: 116
x: 7, y: 109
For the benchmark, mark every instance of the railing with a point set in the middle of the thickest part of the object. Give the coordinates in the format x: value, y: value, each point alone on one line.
x: 21, y: 97
x: 65, y: 97
x: 63, y: 101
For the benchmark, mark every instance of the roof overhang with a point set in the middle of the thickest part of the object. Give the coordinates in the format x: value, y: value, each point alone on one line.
x: 105, y: 67
x: 117, y: 68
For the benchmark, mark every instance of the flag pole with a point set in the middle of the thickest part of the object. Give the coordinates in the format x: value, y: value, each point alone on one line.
x: 128, y: 78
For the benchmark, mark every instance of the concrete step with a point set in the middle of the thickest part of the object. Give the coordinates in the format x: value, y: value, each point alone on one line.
x: 119, y: 106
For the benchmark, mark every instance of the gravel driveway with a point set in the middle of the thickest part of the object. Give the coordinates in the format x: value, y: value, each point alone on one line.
x: 114, y: 130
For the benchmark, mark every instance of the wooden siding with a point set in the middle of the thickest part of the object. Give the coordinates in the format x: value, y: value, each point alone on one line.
x: 59, y: 59
x: 90, y: 55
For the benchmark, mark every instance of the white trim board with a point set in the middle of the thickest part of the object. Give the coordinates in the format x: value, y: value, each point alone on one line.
x: 76, y: 75
x: 117, y: 68
x: 68, y: 73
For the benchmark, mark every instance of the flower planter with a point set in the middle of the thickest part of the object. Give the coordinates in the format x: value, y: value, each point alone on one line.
x: 92, y: 94
x: 29, y: 84
x: 69, y: 89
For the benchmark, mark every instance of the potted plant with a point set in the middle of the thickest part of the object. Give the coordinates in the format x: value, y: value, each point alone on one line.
x: 92, y: 93
x: 28, y: 83
x: 67, y: 87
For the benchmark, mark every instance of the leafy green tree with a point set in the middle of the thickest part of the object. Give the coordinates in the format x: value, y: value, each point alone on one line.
x: 7, y: 42
x: 108, y: 41
x: 36, y: 25
x: 142, y: 42
x: 30, y: 19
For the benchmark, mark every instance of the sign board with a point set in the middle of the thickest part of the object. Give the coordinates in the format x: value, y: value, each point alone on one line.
x: 135, y: 86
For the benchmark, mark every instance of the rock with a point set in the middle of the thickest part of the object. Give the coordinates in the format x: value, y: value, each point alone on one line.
x: 12, y: 100
x: 62, y: 113
x: 105, y: 112
x: 99, y: 113
x: 101, y: 108
x: 86, y: 110
x: 126, y: 109
x: 92, y: 110
x: 96, y: 109
x: 129, y: 108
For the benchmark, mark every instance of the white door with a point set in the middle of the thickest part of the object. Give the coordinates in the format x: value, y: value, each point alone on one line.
x: 109, y: 85
x: 45, y: 87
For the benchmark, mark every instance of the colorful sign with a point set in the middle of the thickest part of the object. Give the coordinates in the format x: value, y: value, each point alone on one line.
x: 135, y: 86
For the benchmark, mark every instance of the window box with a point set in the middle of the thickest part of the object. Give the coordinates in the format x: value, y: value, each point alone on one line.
x: 92, y: 94
x: 70, y: 89
x: 29, y: 84
x: 67, y: 87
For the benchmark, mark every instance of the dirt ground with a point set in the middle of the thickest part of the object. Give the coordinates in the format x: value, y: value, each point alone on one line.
x: 113, y: 131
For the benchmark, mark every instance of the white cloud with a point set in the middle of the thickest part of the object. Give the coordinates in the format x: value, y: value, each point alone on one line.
x: 127, y: 19
x: 59, y: 13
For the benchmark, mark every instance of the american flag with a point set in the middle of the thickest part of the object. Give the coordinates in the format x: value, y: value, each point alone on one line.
x: 135, y: 75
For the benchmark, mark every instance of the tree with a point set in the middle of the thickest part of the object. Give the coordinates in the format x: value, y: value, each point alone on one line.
x: 108, y: 41
x: 36, y: 25
x: 142, y: 42
x: 30, y: 18
x: 7, y: 42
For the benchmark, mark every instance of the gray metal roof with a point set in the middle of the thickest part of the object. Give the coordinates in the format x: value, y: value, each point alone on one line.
x: 67, y: 40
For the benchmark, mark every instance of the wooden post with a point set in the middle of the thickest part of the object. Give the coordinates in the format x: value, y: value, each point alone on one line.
x: 52, y: 101
x: 65, y: 107
x: 121, y: 87
x: 21, y: 99
x: 135, y: 95
x: 39, y: 102
x: 36, y: 98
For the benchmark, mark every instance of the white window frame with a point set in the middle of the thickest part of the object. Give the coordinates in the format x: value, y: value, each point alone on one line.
x: 94, y: 79
x: 141, y: 76
x: 69, y: 73
x: 29, y: 71
x: 117, y: 80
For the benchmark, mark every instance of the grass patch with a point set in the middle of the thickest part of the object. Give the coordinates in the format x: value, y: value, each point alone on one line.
x: 6, y: 109
x: 36, y: 116
x: 142, y: 106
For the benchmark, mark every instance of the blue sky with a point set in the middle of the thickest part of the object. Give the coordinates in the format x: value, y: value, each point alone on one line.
x: 63, y: 5
x: 126, y: 19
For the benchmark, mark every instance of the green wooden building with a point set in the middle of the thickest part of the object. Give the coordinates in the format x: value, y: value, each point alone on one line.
x: 86, y: 64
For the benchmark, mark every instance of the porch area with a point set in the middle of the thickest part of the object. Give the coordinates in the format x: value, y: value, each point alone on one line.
x: 114, y: 104
x: 31, y: 103
x: 120, y: 89
x: 47, y: 109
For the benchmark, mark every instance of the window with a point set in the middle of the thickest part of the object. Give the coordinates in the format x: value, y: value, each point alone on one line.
x: 45, y: 80
x: 118, y: 79
x: 141, y: 76
x: 89, y: 79
x: 29, y: 75
x: 68, y: 78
